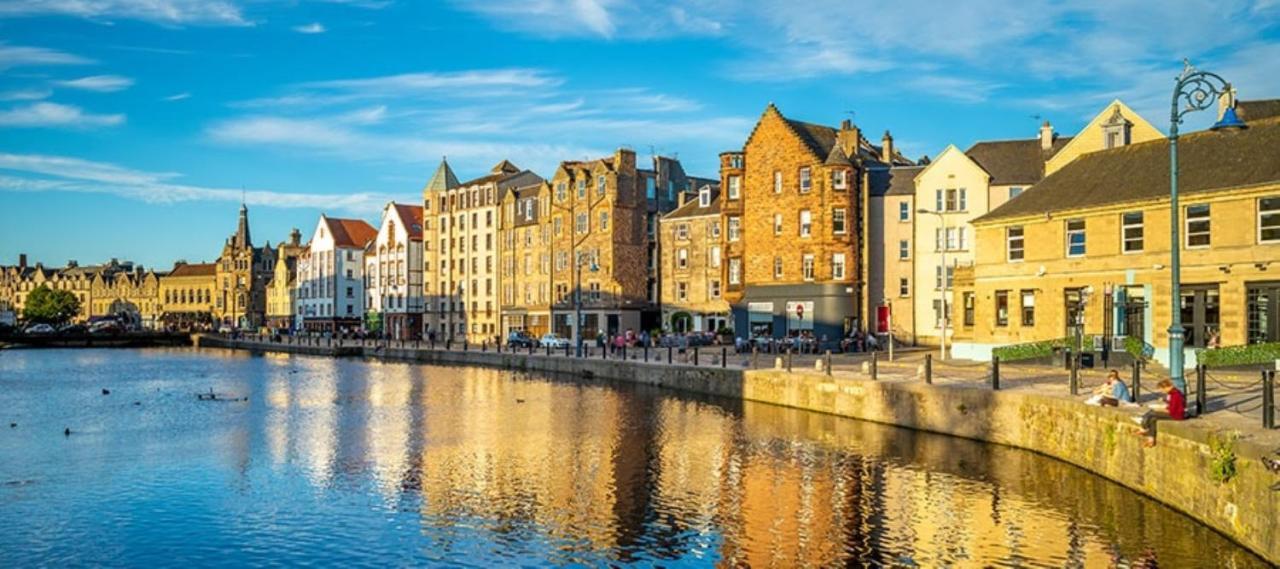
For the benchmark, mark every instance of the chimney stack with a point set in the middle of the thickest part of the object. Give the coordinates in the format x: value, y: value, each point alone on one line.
x: 681, y: 198
x: 73, y: 264
x: 22, y: 260
x: 849, y: 139
x: 295, y: 237
x: 1046, y: 136
x: 886, y: 148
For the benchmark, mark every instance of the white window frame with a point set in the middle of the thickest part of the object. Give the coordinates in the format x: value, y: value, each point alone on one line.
x: 777, y: 181
x: 1009, y: 240
x: 904, y: 211
x: 1275, y: 215
x: 735, y: 229
x: 777, y: 224
x: 735, y: 271
x: 904, y: 287
x: 904, y: 249
x: 777, y: 268
x: 837, y: 266
x: 806, y: 223
x: 839, y: 221
x: 714, y: 255
x: 806, y: 179
x: 1068, y: 233
x: 735, y: 187
x: 1207, y: 220
x: 840, y: 179
x: 682, y: 258
x: 806, y: 268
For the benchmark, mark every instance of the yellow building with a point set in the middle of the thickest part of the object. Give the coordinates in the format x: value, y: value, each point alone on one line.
x: 691, y: 264
x: 17, y: 281
x: 282, y: 289
x: 132, y: 295
x: 1090, y: 244
x: 917, y: 251
x: 186, y: 296
x: 526, y: 260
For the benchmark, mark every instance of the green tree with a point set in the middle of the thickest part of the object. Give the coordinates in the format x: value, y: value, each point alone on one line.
x: 51, y: 306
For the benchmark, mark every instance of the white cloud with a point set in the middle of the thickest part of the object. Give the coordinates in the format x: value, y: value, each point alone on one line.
x: 178, y: 96
x: 312, y: 28
x: 606, y: 19
x: 27, y: 56
x: 46, y: 114
x: 42, y: 173
x: 25, y: 95
x: 167, y: 12
x: 98, y: 83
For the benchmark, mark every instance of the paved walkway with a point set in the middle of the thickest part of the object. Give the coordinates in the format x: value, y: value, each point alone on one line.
x: 1234, y: 398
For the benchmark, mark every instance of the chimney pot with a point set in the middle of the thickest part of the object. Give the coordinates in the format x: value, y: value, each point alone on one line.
x: 1046, y: 136
x: 846, y: 124
x: 681, y: 198
x: 22, y: 260
x: 886, y: 148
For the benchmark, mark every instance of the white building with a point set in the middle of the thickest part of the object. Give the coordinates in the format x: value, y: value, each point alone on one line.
x: 331, y: 275
x: 393, y: 272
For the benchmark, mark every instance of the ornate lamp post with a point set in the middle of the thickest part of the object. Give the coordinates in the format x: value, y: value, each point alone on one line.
x: 1195, y: 90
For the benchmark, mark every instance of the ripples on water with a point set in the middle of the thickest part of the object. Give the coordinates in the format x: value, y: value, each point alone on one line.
x: 354, y: 463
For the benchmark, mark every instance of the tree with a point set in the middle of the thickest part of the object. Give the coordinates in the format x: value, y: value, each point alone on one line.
x: 51, y: 306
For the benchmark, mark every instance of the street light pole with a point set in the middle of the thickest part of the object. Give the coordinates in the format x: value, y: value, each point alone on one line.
x: 1194, y: 91
x: 942, y: 220
x: 577, y: 303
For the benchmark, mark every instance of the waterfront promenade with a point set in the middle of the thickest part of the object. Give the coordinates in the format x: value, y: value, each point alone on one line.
x: 1215, y: 469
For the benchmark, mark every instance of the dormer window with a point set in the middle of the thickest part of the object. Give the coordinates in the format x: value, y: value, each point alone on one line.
x: 735, y: 161
x: 704, y: 197
x: 1115, y: 132
x: 840, y: 179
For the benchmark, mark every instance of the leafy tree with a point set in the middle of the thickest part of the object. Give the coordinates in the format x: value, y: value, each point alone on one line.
x: 51, y: 306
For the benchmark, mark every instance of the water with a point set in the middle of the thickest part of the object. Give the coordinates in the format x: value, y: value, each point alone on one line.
x: 355, y: 463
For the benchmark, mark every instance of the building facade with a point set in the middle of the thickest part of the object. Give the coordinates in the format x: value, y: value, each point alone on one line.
x: 243, y: 271
x: 330, y: 280
x: 282, y: 288
x: 186, y: 296
x: 393, y: 272
x: 691, y: 265
x: 133, y: 296
x: 1089, y: 246
x: 790, y: 208
x: 525, y: 253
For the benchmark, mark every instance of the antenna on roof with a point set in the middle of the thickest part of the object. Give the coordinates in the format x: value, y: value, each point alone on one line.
x: 1036, y: 118
x: 853, y: 115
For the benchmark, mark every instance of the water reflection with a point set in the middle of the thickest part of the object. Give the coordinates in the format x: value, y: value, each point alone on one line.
x: 370, y: 463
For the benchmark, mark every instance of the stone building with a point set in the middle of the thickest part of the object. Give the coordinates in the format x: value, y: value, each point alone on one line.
x: 330, y: 282
x: 282, y: 288
x: 17, y: 281
x: 664, y: 184
x: 393, y: 272
x: 460, y: 242
x: 792, y: 207
x: 956, y: 187
x: 1090, y: 245
x: 691, y: 264
x: 133, y: 296
x: 185, y: 296
x: 525, y: 260
x: 243, y: 271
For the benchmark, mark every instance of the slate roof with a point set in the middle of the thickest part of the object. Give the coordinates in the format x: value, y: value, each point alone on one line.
x: 896, y: 181
x: 1014, y: 161
x: 1207, y: 162
x: 1250, y: 111
x: 443, y: 179
x: 693, y: 208
x: 350, y: 232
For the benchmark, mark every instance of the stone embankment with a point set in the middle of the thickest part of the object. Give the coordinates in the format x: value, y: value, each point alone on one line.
x: 1198, y: 468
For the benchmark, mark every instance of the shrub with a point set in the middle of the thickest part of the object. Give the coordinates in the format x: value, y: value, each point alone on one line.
x: 1222, y: 452
x: 1240, y: 355
x: 1136, y: 348
x: 1029, y: 351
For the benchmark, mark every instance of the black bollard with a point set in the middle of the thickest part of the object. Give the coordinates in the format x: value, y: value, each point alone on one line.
x: 1201, y: 398
x: 995, y: 373
x: 724, y: 357
x: 1268, y: 399
x: 646, y: 353
x: 668, y: 354
x: 928, y: 368
x: 875, y: 366
x: 1137, y: 381
x: 695, y: 355
x: 828, y: 362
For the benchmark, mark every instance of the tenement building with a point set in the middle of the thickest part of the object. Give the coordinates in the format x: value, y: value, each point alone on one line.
x: 17, y: 281
x: 186, y: 296
x: 1089, y: 246
x: 460, y: 242
x: 921, y: 229
x: 243, y: 270
x: 132, y: 296
x: 330, y: 278
x: 790, y: 205
x: 691, y: 263
x: 525, y: 254
x: 282, y: 288
x: 393, y: 273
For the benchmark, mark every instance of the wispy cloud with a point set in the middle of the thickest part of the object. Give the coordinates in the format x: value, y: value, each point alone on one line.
x: 312, y: 28
x: 178, y: 96
x: 29, y: 56
x: 25, y: 95
x: 98, y: 83
x: 45, y: 114
x: 166, y: 12
x: 607, y: 19
x: 44, y: 173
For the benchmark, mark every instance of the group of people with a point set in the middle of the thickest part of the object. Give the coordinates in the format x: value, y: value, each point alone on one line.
x: 1114, y: 392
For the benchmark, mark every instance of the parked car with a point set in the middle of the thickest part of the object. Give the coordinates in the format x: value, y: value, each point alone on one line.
x: 224, y: 329
x: 39, y: 329
x: 553, y: 340
x: 105, y: 327
x: 519, y: 339
x: 73, y: 329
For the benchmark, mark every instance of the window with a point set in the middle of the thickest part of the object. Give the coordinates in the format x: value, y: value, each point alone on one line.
x: 714, y: 255
x: 777, y: 181
x: 1013, y: 237
x: 735, y: 229
x: 937, y: 200
x: 704, y: 197
x: 838, y: 221
x: 1015, y: 192
x: 735, y: 187
x: 904, y: 249
x: 682, y: 258
x: 581, y: 223
x: 556, y: 225
x: 806, y: 267
x: 777, y: 224
x: 1269, y: 220
x: 582, y: 188
x: 904, y: 211
x: 1198, y: 225
x: 967, y: 299
x: 806, y: 180
x: 951, y: 200
x: 939, y: 307
x: 1075, y: 238
x: 735, y: 161
x: 837, y: 266
x: 1131, y: 232
x: 682, y: 231
x: 937, y: 276
x: 1002, y: 308
x: 735, y: 271
x: 964, y: 202
x: 682, y: 291
x: 806, y: 223
x: 777, y: 268
x: 1028, y: 308
x: 601, y: 183
x: 713, y: 288
x: 904, y: 287
x: 604, y: 220
x: 840, y: 179
x: 714, y: 228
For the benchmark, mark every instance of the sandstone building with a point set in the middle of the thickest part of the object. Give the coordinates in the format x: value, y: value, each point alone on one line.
x: 243, y: 270
x: 691, y: 263
x: 186, y: 296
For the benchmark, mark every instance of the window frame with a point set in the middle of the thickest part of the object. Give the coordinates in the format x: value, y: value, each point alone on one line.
x: 806, y: 224
x: 839, y: 221
x: 838, y: 260
x: 1024, y: 318
x: 806, y: 179
x: 1126, y: 225
x: 1187, y: 220
x: 735, y: 186
x: 1260, y: 213
x: 904, y: 212
x: 1002, y: 297
x: 1021, y: 239
x: 808, y: 268
x: 904, y: 249
x: 1068, y: 233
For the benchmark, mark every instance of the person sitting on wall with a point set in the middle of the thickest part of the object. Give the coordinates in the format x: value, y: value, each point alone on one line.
x: 1111, y: 393
x: 1173, y: 407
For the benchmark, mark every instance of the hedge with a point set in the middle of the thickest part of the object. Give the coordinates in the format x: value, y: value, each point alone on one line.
x: 1137, y: 348
x: 1029, y: 351
x: 1240, y: 355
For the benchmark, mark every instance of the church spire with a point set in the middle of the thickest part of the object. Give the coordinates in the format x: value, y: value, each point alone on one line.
x: 443, y: 179
x: 242, y: 239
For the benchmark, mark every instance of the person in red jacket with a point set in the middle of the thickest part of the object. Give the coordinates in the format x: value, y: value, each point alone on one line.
x: 1174, y: 407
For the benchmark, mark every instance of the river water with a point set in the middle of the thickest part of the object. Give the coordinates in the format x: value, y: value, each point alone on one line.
x: 363, y: 463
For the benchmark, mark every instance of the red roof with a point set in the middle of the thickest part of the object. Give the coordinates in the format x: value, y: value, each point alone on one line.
x: 411, y: 217
x: 350, y: 232
x: 193, y: 270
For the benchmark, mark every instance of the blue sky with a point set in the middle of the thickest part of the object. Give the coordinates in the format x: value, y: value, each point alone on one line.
x: 129, y: 128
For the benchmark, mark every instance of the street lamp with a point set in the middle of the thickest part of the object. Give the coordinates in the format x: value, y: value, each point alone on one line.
x: 1194, y: 91
x: 582, y: 258
x: 942, y: 219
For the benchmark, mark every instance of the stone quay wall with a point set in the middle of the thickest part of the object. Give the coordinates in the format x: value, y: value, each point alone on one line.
x: 1178, y: 472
